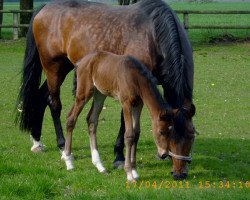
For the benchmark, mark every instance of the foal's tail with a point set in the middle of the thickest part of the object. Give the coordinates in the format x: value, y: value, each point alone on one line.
x: 28, y: 98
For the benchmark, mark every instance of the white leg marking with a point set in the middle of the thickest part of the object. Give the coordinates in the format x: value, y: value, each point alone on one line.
x: 37, y: 146
x: 68, y: 160
x: 130, y: 176
x: 97, y: 161
x: 135, y: 174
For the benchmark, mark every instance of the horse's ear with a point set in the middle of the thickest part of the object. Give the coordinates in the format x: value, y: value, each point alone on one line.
x: 192, y: 110
x: 166, y: 115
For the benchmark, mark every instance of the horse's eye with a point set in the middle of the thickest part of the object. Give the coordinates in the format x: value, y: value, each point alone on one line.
x: 170, y: 128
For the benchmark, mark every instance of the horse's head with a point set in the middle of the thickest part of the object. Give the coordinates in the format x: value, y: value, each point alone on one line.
x: 174, y: 135
x: 181, y: 139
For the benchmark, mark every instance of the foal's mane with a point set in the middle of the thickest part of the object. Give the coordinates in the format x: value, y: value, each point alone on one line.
x: 176, y: 70
x: 146, y: 73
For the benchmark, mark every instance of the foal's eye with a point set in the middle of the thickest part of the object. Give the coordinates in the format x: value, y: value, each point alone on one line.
x: 162, y: 132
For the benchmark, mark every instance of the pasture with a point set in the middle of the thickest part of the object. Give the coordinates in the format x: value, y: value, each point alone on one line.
x: 221, y: 153
x: 220, y: 167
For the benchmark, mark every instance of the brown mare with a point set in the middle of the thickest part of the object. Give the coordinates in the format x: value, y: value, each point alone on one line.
x: 103, y: 74
x: 63, y: 32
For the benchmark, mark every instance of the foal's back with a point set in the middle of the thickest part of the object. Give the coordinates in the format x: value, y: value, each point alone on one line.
x: 113, y: 75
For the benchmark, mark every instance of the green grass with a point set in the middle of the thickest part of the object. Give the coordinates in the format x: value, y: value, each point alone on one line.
x: 197, y: 36
x: 221, y: 151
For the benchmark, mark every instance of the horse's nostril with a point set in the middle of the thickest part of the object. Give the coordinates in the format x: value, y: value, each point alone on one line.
x: 164, y: 156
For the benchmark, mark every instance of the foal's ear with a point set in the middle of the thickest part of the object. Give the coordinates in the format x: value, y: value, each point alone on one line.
x: 166, y: 115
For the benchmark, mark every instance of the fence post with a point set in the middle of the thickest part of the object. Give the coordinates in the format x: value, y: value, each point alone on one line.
x: 15, y: 24
x: 186, y: 21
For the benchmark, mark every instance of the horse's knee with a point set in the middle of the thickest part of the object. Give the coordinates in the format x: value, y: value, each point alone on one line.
x: 129, y: 139
x: 70, y: 124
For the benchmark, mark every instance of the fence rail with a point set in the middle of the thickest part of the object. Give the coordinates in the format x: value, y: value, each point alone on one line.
x: 185, y: 13
x: 187, y: 26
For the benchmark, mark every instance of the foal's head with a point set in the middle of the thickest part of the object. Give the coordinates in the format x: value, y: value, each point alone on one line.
x: 181, y: 139
x: 162, y: 128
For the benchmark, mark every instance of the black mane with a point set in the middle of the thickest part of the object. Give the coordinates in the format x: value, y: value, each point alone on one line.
x: 176, y: 70
x: 146, y: 73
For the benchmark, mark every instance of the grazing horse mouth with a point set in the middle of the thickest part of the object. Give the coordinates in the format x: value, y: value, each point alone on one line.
x: 171, y: 155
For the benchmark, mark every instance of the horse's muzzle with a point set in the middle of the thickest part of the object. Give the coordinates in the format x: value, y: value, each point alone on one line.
x: 181, y: 176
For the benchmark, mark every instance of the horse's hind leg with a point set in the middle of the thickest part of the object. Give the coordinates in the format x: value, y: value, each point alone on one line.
x: 37, y: 127
x: 65, y: 67
x: 92, y: 120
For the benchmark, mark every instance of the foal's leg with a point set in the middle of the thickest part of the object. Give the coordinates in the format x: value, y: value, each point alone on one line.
x: 71, y: 121
x: 92, y: 120
x: 136, y: 113
x: 129, y: 140
x: 84, y: 93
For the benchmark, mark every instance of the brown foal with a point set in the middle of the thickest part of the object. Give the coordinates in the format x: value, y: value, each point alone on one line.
x: 103, y: 74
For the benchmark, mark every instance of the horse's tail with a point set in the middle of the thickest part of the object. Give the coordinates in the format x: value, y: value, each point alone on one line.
x: 173, y: 44
x: 28, y: 98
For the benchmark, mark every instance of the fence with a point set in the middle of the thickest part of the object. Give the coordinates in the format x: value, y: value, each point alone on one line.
x: 185, y: 13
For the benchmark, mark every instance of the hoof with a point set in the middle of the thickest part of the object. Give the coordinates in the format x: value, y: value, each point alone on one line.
x: 135, y: 174
x: 68, y: 161
x: 37, y: 147
x: 118, y: 164
x: 131, y: 179
x: 104, y: 171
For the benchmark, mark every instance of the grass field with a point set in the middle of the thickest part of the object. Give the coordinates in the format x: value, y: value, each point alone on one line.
x: 220, y: 167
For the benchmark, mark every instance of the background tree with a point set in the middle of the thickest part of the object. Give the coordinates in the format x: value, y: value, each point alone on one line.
x: 25, y: 17
x: 134, y: 1
x: 126, y: 2
x: 1, y: 15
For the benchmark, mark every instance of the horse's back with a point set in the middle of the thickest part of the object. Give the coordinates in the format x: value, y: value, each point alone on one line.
x: 75, y: 28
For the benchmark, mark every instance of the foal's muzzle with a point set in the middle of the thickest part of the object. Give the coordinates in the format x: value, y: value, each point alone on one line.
x: 162, y: 157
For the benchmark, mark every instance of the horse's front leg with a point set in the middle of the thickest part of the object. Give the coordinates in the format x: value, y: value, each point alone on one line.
x: 136, y: 113
x: 92, y: 120
x: 71, y: 121
x: 129, y: 140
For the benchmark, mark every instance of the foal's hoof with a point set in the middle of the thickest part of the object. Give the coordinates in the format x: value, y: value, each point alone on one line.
x: 130, y: 179
x: 135, y: 174
x: 104, y: 171
x: 38, y: 147
x: 68, y: 160
x: 118, y: 164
